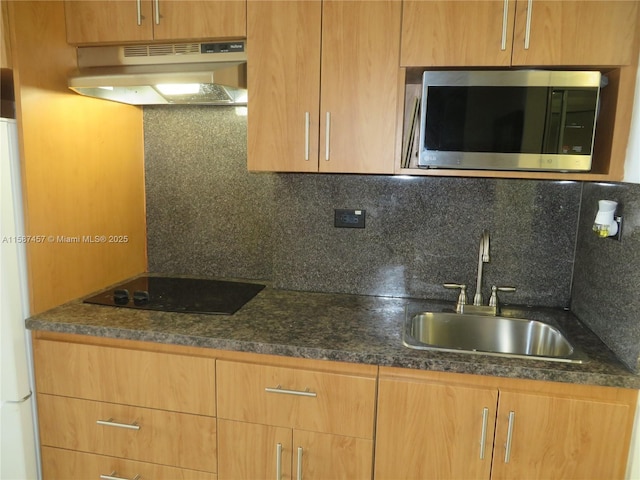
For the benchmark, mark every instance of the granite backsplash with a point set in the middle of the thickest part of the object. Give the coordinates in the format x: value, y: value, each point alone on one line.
x: 606, y: 290
x: 208, y: 216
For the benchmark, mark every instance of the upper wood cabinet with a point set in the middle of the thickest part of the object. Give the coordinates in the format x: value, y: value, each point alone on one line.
x: 323, y: 83
x: 283, y: 76
x: 112, y: 21
x: 455, y: 34
x: 519, y: 32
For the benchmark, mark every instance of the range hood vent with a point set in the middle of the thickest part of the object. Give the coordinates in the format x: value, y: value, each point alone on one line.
x: 161, y: 50
x: 207, y: 73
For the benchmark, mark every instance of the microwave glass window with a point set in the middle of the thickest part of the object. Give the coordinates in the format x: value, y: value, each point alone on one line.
x: 493, y: 119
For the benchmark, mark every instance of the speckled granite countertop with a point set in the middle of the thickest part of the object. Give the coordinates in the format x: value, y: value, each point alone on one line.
x: 348, y: 328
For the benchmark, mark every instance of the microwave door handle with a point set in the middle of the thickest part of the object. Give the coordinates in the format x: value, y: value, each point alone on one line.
x: 552, y: 136
x: 563, y: 119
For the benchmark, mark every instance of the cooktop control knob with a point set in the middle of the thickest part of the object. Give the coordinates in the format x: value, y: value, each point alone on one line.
x: 140, y: 297
x: 121, y: 297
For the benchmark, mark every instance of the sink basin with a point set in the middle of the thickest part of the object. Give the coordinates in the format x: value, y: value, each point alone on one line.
x: 502, y: 336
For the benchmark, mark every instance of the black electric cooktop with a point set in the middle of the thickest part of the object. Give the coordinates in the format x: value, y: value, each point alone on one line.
x: 172, y: 294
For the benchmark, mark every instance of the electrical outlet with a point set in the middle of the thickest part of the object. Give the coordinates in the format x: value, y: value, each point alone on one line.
x: 345, y: 218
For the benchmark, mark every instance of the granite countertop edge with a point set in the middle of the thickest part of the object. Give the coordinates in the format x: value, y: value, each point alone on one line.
x: 321, y: 326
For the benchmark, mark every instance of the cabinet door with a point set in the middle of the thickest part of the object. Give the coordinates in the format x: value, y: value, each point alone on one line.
x: 554, y: 437
x: 323, y: 456
x: 283, y: 75
x: 108, y: 21
x: 584, y: 32
x: 457, y: 34
x: 248, y: 451
x: 360, y: 60
x: 434, y: 431
x: 200, y: 19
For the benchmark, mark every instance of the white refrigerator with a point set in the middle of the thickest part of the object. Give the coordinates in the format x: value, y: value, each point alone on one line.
x: 18, y: 451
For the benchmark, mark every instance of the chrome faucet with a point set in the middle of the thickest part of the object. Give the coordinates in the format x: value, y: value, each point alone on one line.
x: 483, y: 257
x: 493, y: 308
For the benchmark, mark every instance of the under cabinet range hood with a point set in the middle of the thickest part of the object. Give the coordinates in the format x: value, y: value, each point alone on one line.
x: 205, y: 73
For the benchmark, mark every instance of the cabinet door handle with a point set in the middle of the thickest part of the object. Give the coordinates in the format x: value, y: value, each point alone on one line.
x: 139, y: 11
x: 327, y: 137
x: 527, y: 31
x: 299, y: 470
x: 301, y: 393
x: 507, y: 447
x: 505, y: 20
x: 156, y: 6
x: 306, y: 136
x: 279, y: 461
x: 111, y: 423
x: 113, y: 476
x: 483, y: 435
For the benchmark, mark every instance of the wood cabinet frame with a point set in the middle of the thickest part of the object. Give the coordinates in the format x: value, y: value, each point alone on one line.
x: 609, y: 151
x: 508, y: 391
x: 91, y: 22
x: 613, y: 126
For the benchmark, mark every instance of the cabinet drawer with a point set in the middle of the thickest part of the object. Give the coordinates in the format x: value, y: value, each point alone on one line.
x: 60, y: 464
x: 148, y: 379
x: 303, y: 399
x: 170, y: 438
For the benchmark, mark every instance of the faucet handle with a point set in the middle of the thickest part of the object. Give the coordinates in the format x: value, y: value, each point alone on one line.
x: 493, y: 301
x: 462, y: 298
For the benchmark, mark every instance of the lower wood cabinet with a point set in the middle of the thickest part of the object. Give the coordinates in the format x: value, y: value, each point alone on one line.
x: 67, y: 464
x: 157, y: 436
x: 448, y: 426
x: 428, y: 430
x: 253, y: 451
x: 290, y: 423
x: 117, y: 409
x: 549, y: 436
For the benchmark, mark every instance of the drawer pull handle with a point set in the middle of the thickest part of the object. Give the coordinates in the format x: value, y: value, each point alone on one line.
x: 111, y: 423
x: 113, y: 476
x: 279, y: 389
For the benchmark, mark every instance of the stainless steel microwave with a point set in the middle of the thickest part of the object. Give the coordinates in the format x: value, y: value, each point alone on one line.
x: 508, y: 120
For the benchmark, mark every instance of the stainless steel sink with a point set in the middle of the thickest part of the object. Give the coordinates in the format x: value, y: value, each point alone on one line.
x: 482, y: 334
